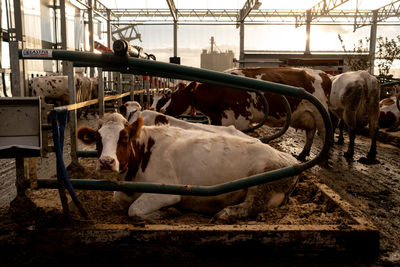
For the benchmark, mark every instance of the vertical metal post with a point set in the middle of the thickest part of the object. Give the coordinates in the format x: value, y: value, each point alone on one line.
x: 175, y: 38
x: 72, y: 113
x: 119, y: 88
x: 17, y: 66
x: 308, y: 29
x: 141, y: 91
x: 91, y: 32
x: 63, y: 32
x: 109, y: 41
x: 372, y: 41
x: 21, y: 181
x: 18, y: 16
x: 17, y: 83
x: 1, y: 35
x: 132, y: 87
x: 147, y: 82
x: 101, y: 92
x: 241, y: 44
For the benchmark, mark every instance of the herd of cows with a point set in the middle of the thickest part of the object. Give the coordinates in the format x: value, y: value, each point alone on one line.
x: 153, y: 146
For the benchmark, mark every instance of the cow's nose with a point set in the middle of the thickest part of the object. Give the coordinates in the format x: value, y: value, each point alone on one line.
x: 107, y: 163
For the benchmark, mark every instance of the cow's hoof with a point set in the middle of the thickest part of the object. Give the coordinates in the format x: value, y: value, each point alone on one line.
x: 324, y: 163
x: 340, y: 142
x: 368, y: 161
x: 301, y: 157
x: 348, y: 155
x: 221, y: 218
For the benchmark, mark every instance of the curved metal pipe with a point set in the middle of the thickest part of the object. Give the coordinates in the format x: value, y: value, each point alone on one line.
x: 283, y: 130
x: 266, y: 112
x: 162, y: 69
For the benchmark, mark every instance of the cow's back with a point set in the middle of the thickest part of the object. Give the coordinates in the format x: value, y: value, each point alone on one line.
x: 315, y: 82
x: 175, y: 149
x: 49, y: 86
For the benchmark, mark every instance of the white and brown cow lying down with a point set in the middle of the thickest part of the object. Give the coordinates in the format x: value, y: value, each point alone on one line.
x: 225, y: 106
x: 389, y: 114
x: 170, y: 155
x: 131, y: 110
x: 354, y: 100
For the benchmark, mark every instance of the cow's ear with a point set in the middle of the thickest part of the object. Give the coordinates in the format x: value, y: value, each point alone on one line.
x: 87, y: 135
x: 191, y: 87
x: 134, y: 128
x: 123, y: 110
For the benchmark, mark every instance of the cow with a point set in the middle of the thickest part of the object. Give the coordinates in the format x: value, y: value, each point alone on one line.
x: 54, y: 89
x: 389, y: 114
x: 354, y: 100
x: 225, y: 106
x: 160, y: 98
x: 131, y: 110
x: 165, y: 154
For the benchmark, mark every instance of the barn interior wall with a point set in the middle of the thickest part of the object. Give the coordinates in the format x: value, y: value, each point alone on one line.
x: 43, y: 30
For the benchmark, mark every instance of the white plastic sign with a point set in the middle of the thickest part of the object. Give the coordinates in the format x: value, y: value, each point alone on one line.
x: 39, y: 53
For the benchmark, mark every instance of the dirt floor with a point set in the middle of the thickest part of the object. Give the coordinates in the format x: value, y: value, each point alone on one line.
x: 374, y: 189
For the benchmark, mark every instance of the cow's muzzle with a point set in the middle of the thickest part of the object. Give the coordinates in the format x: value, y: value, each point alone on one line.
x: 107, y: 164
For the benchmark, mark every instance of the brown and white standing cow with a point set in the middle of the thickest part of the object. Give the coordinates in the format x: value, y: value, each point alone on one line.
x: 132, y: 110
x: 171, y: 155
x: 389, y: 115
x: 354, y: 99
x: 225, y: 106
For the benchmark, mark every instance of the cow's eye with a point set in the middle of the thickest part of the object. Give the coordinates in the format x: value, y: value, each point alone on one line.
x: 124, y: 139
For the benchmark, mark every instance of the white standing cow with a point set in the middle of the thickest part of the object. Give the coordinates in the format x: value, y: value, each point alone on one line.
x: 354, y: 100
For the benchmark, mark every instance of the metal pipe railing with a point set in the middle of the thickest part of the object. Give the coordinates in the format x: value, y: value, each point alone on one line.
x: 161, y: 69
x: 196, y: 190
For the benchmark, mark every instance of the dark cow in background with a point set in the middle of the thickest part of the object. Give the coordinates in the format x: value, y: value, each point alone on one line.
x: 165, y: 155
x: 54, y: 89
x: 225, y: 106
x: 389, y: 114
x: 354, y: 100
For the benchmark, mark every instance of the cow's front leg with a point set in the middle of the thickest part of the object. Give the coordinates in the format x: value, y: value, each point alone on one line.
x: 147, y: 205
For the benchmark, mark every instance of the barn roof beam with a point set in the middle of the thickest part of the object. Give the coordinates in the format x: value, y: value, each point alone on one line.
x: 383, y: 13
x: 320, y: 9
x: 229, y: 16
x: 247, y: 7
x: 127, y: 33
x: 173, y: 9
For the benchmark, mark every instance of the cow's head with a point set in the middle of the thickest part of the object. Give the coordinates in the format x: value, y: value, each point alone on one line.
x: 114, y: 141
x: 159, y: 100
x: 181, y: 101
x: 130, y: 110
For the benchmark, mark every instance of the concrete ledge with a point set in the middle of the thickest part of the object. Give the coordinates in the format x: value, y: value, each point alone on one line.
x: 154, y: 243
